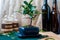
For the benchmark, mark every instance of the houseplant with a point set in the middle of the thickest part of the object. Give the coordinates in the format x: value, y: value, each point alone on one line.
x: 30, y: 10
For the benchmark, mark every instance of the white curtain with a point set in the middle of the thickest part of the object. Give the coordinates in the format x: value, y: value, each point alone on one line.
x: 1, y: 7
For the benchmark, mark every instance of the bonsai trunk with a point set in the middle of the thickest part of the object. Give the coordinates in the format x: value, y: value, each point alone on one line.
x: 31, y: 22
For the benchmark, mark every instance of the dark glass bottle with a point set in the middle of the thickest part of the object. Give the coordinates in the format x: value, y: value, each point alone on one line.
x: 46, y: 16
x: 55, y: 23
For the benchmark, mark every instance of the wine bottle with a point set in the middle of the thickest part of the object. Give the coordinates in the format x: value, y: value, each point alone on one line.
x: 46, y: 16
x: 54, y: 16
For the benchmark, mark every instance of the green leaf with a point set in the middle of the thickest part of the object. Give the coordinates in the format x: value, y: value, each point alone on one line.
x: 23, y: 6
x: 30, y: 1
x: 26, y: 11
x: 33, y: 8
x: 30, y: 6
x: 26, y: 3
x: 29, y: 9
x: 31, y: 14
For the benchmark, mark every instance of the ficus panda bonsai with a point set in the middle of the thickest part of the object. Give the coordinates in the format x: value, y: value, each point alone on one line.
x: 29, y: 9
x: 29, y: 30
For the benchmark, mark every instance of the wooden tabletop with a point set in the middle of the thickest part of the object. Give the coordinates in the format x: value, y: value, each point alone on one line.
x: 50, y: 35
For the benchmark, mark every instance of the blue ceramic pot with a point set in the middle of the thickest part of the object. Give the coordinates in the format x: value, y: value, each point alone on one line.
x: 30, y: 30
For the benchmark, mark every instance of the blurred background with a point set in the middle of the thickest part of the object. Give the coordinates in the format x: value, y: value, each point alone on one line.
x: 8, y: 12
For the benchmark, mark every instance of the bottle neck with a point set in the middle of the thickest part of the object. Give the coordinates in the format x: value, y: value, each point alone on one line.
x: 54, y: 4
x: 54, y: 1
x: 54, y: 7
x: 45, y: 1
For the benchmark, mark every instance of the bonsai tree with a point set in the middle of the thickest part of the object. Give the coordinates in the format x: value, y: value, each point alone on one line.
x: 29, y: 9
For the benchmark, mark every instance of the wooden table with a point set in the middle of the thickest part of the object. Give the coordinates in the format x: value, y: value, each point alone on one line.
x: 50, y: 35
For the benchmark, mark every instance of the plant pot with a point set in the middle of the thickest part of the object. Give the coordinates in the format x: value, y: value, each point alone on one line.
x: 29, y: 30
